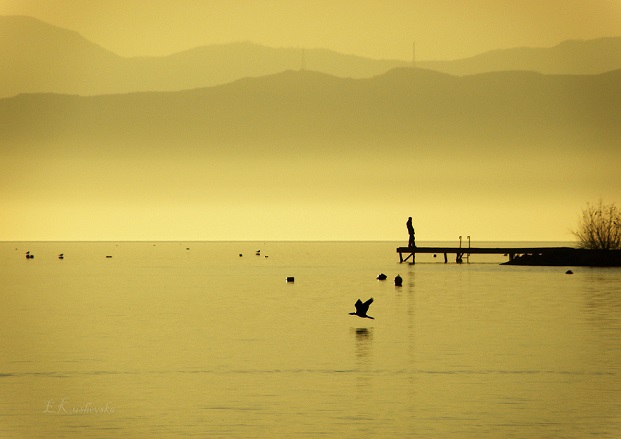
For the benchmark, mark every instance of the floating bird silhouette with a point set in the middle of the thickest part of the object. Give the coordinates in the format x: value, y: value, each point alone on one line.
x: 362, y: 308
x: 381, y: 276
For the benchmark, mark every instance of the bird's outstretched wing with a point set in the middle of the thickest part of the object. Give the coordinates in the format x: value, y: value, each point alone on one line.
x: 365, y: 305
x: 362, y: 308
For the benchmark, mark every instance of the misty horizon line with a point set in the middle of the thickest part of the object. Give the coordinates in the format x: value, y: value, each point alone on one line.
x: 247, y: 42
x: 252, y: 241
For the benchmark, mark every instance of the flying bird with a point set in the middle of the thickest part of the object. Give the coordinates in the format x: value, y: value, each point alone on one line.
x: 362, y: 308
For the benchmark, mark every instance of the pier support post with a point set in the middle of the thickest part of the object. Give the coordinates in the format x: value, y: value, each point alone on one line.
x: 445, y: 258
x: 411, y: 255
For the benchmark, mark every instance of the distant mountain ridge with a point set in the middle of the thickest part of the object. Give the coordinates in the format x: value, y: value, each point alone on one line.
x: 574, y: 57
x: 45, y: 58
x: 409, y: 112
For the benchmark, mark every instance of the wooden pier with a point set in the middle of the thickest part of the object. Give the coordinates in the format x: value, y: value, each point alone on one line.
x: 461, y: 252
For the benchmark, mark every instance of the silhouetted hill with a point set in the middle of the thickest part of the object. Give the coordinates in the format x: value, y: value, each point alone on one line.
x: 405, y: 113
x: 38, y: 57
x: 569, y: 57
x: 44, y: 58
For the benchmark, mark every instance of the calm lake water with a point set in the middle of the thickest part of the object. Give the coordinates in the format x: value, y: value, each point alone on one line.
x: 174, y: 339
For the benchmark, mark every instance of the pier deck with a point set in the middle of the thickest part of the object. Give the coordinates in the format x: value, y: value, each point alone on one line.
x: 460, y: 252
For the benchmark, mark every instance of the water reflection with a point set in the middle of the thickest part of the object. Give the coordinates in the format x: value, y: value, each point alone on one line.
x: 602, y: 297
x: 364, y: 378
x: 364, y: 343
x: 602, y: 306
x: 410, y: 278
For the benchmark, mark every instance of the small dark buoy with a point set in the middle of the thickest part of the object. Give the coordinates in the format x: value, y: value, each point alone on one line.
x: 381, y: 276
x: 435, y: 256
x: 290, y: 279
x: 108, y: 256
x: 240, y: 255
x: 398, y: 281
x: 569, y: 272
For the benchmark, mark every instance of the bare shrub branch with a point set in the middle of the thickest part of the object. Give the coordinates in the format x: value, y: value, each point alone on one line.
x: 600, y: 227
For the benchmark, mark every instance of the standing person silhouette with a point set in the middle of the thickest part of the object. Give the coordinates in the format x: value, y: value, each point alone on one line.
x: 411, y: 241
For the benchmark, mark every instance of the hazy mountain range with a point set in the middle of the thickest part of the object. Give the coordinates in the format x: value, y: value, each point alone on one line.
x: 412, y: 113
x: 574, y: 57
x: 408, y: 113
x: 39, y: 58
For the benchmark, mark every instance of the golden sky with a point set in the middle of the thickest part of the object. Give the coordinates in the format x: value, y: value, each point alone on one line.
x: 442, y: 29
x: 65, y: 199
